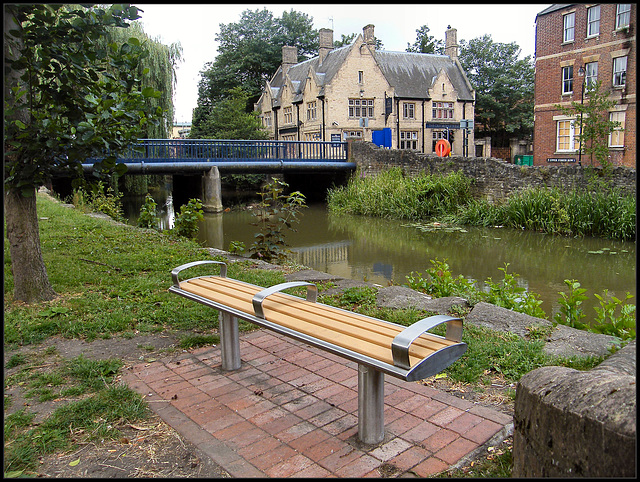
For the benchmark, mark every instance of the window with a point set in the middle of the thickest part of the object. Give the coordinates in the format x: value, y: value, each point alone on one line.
x: 623, y: 15
x: 409, y: 140
x: 591, y: 74
x: 437, y: 135
x: 354, y: 134
x: 288, y: 115
x: 616, y: 138
x: 568, y: 136
x: 408, y: 110
x: 360, y: 77
x: 266, y: 120
x: 442, y: 110
x: 569, y: 22
x: 619, y: 71
x: 567, y: 79
x: 311, y: 110
x: 360, y: 108
x: 593, y: 21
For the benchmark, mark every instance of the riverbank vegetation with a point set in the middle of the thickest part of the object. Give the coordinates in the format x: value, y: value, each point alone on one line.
x: 112, y: 282
x: 595, y: 212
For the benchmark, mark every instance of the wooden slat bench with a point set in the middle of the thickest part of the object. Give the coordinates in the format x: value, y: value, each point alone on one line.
x: 378, y: 346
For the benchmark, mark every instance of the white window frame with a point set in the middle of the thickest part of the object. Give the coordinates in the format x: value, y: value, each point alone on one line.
x: 619, y: 71
x: 593, y: 21
x: 567, y: 80
x: 569, y: 28
x: 590, y: 74
x: 616, y: 138
x: 409, y: 140
x: 408, y: 110
x: 573, y: 136
x: 623, y: 15
x: 353, y: 134
x: 442, y: 110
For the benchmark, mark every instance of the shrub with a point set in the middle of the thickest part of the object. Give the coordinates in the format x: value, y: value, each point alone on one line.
x: 148, y: 216
x: 186, y: 223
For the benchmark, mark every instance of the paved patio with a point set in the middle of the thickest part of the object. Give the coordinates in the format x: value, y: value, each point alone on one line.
x: 291, y: 411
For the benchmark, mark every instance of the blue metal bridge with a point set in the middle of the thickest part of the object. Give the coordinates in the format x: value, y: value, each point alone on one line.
x: 175, y: 156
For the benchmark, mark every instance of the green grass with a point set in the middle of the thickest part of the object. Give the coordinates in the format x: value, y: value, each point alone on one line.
x: 113, y: 281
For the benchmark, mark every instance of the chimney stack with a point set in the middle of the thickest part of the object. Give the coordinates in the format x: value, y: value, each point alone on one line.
x: 289, y: 57
x: 451, y: 42
x: 369, y: 38
x: 326, y: 43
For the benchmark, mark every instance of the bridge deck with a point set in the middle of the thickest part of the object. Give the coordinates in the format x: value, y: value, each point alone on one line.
x: 184, y: 155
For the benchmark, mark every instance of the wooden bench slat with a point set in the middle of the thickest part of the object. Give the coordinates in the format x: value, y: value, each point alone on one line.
x: 324, y: 334
x: 341, y: 328
x: 325, y: 312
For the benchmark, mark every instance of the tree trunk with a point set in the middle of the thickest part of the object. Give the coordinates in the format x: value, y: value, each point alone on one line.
x: 30, y: 279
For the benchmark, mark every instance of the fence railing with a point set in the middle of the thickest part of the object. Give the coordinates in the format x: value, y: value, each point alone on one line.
x: 175, y: 150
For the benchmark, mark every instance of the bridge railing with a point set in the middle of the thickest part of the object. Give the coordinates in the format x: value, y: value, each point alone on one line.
x: 234, y: 150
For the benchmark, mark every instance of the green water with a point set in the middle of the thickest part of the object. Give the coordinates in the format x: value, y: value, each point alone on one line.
x: 385, y: 252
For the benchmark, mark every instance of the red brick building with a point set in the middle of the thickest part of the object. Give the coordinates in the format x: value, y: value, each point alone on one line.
x: 577, y: 44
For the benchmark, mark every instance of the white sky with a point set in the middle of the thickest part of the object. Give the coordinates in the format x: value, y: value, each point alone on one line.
x: 195, y: 26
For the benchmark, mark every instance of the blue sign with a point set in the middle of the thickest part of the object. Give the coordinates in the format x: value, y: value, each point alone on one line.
x: 431, y: 125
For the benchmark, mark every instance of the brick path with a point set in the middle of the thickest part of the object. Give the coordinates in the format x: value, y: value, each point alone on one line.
x: 291, y: 411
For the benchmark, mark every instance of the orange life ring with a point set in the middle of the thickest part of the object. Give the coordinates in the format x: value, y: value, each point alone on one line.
x: 443, y: 148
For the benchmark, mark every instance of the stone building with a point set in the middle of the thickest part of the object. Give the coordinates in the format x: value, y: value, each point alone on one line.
x: 577, y: 44
x: 397, y: 99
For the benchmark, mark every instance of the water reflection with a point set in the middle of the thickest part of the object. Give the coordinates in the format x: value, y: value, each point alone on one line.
x: 386, y: 251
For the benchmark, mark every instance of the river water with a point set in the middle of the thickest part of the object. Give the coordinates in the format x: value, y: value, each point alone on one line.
x: 386, y: 251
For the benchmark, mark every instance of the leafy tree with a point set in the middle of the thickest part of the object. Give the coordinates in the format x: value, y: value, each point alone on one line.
x: 592, y: 119
x: 66, y: 99
x: 250, y: 52
x: 159, y: 69
x: 228, y: 119
x: 425, y: 43
x: 504, y: 88
x: 344, y: 40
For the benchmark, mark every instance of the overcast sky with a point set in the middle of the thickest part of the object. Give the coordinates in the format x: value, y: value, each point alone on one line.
x: 195, y: 26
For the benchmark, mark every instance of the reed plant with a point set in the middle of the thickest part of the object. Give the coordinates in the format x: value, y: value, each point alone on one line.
x: 392, y: 194
x: 604, y: 211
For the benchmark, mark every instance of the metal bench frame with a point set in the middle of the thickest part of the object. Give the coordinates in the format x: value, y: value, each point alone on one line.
x: 370, y: 370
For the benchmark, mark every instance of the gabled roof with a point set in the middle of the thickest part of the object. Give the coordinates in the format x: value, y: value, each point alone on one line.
x: 411, y: 74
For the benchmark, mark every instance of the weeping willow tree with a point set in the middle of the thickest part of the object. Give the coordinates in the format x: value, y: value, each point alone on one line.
x: 159, y: 69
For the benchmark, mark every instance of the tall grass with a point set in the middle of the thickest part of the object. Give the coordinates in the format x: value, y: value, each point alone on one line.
x: 391, y: 194
x: 603, y: 212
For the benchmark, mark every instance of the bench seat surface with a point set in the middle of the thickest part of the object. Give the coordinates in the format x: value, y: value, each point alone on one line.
x: 352, y: 331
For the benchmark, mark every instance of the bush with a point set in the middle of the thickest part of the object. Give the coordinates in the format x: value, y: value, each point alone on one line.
x: 186, y: 223
x: 148, y: 216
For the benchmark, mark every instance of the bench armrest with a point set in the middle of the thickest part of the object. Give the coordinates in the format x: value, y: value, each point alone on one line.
x: 312, y: 294
x: 400, y: 344
x: 176, y: 271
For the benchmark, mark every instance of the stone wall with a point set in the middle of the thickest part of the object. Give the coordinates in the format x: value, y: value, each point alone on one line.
x: 494, y: 178
x: 569, y: 423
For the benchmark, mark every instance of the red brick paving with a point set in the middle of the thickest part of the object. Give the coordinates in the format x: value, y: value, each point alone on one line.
x: 291, y: 411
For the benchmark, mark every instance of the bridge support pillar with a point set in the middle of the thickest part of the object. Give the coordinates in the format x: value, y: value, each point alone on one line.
x: 212, y: 191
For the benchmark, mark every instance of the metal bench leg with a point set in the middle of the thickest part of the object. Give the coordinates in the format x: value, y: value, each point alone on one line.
x: 370, y: 405
x: 229, y: 341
